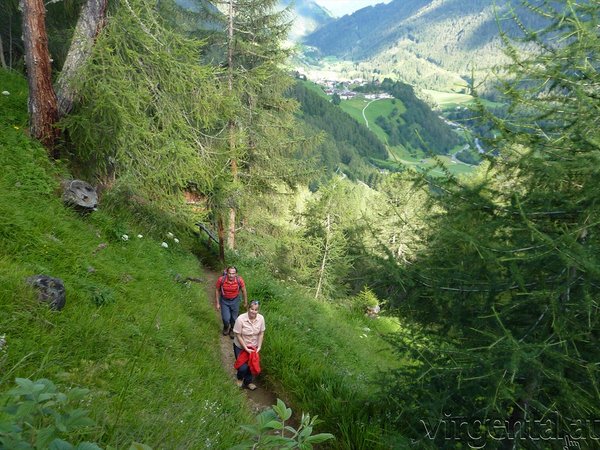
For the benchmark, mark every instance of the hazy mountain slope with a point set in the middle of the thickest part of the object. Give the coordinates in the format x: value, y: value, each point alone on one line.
x: 307, y: 17
x: 360, y: 35
x: 424, y: 42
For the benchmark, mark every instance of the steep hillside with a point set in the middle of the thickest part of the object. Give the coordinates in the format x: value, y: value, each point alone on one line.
x: 430, y: 43
x: 346, y: 145
x: 411, y: 123
x: 307, y: 17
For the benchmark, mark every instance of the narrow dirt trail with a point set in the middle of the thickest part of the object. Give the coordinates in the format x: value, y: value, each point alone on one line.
x: 259, y: 399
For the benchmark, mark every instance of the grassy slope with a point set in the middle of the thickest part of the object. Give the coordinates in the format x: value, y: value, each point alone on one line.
x: 328, y: 360
x: 149, y: 354
x: 146, y: 344
x: 383, y: 107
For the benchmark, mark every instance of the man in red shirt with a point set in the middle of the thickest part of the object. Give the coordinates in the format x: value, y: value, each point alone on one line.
x: 227, y: 298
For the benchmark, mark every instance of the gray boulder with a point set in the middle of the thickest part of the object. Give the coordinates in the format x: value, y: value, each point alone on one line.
x: 50, y: 290
x: 80, y: 195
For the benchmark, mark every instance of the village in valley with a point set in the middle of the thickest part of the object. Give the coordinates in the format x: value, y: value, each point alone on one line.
x: 343, y: 88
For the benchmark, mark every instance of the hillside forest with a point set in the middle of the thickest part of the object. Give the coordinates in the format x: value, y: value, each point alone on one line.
x: 404, y: 308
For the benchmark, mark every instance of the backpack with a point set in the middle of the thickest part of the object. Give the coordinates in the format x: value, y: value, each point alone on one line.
x: 222, y: 279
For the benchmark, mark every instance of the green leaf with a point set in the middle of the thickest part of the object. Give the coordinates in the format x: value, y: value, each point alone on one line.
x: 60, y: 425
x: 45, y: 436
x: 59, y: 444
x: 291, y: 430
x: 282, y: 411
x: 304, y: 433
x: 274, y: 425
x: 78, y: 418
x: 321, y: 437
x: 139, y: 446
x: 45, y: 397
x: 25, y: 383
x: 25, y: 409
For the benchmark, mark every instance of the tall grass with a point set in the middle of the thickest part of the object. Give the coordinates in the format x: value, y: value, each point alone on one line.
x: 142, y: 340
x: 328, y: 360
x: 145, y: 341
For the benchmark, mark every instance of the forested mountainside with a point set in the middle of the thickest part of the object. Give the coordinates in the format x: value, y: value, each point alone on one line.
x: 346, y: 145
x: 426, y: 42
x: 489, y: 282
x: 416, y: 127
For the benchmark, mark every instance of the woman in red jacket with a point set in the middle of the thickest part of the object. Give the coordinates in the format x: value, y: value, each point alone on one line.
x: 249, y: 330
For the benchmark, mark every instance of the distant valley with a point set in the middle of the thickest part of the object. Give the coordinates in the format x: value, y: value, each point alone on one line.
x: 431, y: 44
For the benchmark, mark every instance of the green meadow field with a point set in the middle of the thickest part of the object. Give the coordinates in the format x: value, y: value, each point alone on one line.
x: 382, y: 107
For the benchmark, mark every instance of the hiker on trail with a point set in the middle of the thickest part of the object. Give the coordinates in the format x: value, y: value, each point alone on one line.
x: 227, y: 298
x: 249, y: 331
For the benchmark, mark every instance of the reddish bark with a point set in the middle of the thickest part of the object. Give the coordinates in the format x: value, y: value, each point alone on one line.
x: 43, y: 106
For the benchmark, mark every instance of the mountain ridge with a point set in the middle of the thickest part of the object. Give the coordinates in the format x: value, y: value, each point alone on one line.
x: 411, y: 39
x: 307, y: 16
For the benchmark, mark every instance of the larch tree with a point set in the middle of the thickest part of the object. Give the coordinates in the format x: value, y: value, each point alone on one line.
x: 147, y: 119
x: 47, y: 105
x: 509, y: 282
x: 259, y: 130
x: 43, y: 105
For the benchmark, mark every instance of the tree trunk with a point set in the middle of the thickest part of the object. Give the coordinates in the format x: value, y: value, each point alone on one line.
x: 325, y: 256
x: 91, y: 21
x: 43, y: 108
x: 2, y: 60
x: 234, y: 169
x: 221, y: 234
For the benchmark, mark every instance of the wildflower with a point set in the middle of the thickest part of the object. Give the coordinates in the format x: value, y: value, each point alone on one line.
x: 165, y: 245
x: 5, y: 93
x: 176, y: 240
x: 170, y: 235
x: 125, y: 237
x: 140, y: 236
x: 2, y: 342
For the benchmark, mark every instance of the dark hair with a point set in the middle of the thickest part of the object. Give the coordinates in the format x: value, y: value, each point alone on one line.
x: 231, y: 267
x: 254, y: 302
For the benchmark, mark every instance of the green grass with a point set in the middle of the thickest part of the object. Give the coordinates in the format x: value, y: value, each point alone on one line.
x: 398, y: 154
x: 374, y: 109
x: 142, y: 342
x: 329, y: 360
x: 449, y: 100
x: 145, y: 343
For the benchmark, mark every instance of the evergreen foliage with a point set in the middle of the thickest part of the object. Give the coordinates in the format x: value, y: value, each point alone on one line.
x: 345, y: 145
x: 146, y: 106
x: 418, y: 127
x: 510, y: 276
x: 261, y: 132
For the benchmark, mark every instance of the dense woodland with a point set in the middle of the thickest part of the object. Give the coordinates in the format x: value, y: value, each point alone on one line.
x: 494, y: 278
x: 418, y: 128
x: 347, y: 146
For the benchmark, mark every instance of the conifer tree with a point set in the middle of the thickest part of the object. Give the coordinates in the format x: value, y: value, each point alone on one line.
x: 260, y: 130
x: 148, y: 109
x: 510, y: 280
